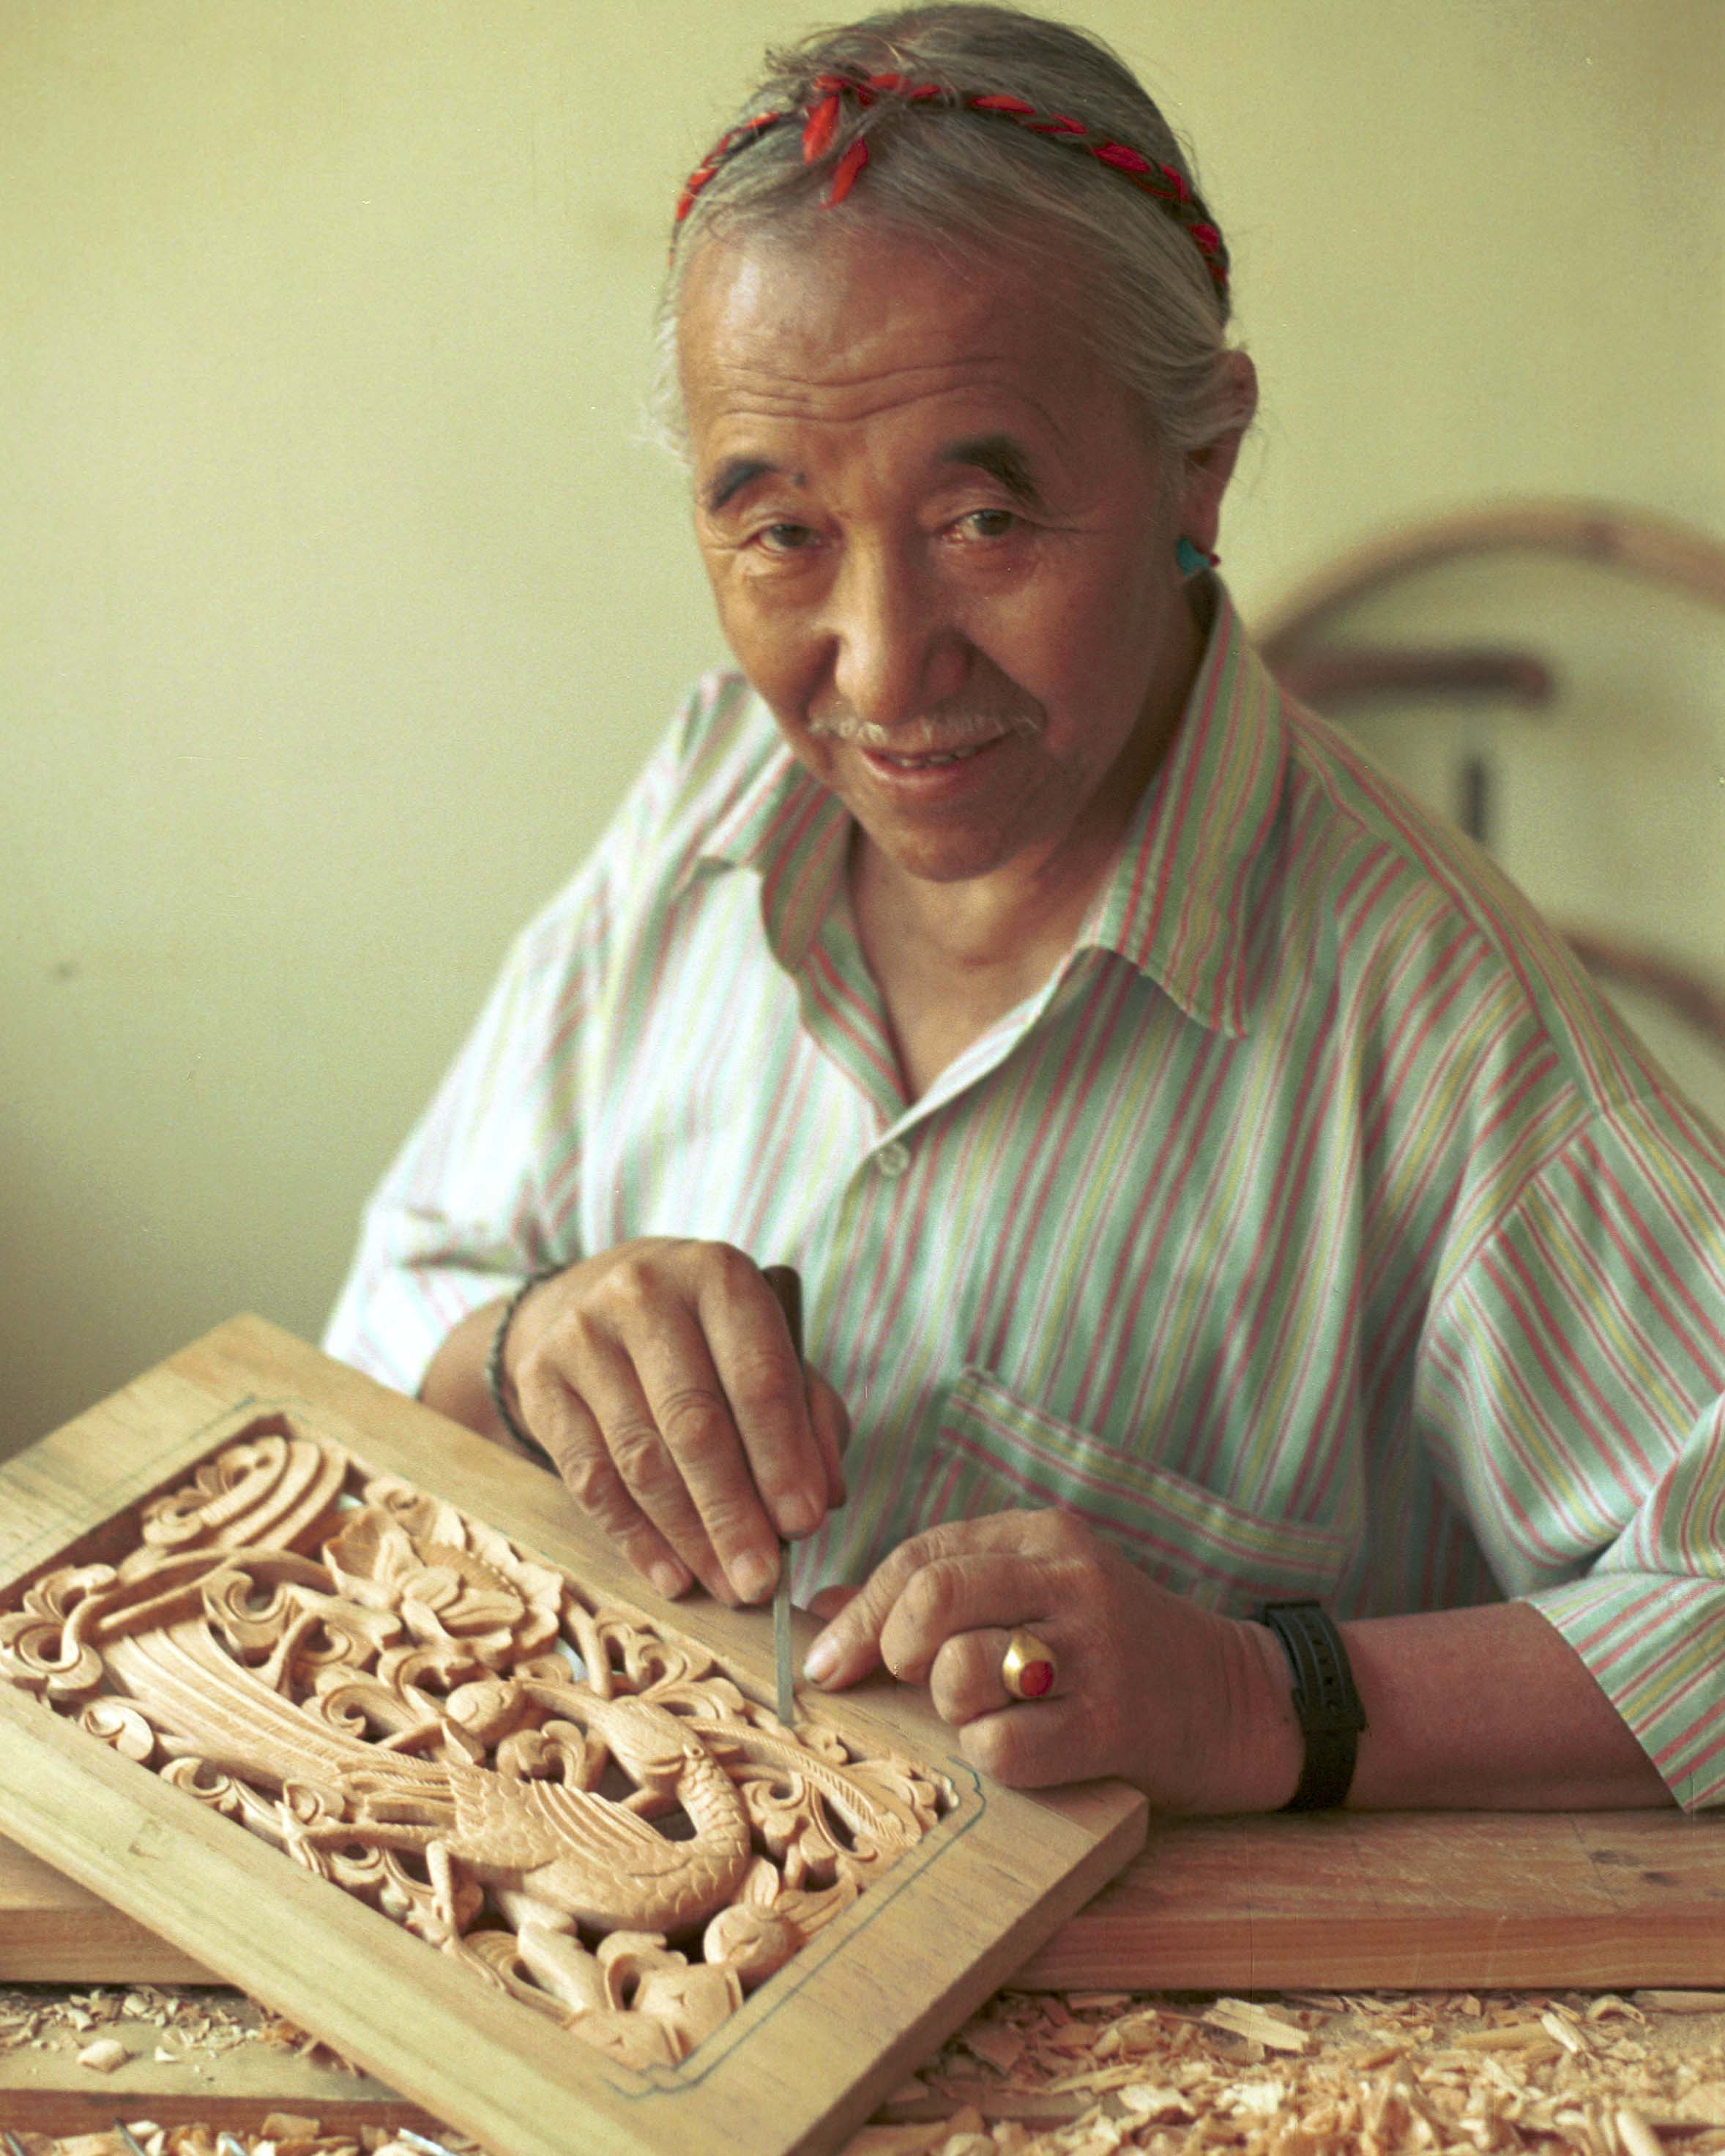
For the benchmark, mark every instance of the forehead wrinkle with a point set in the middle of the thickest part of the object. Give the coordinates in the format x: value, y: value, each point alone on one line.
x: 853, y: 325
x: 822, y: 404
x: 784, y: 391
x: 994, y: 441
x: 736, y: 473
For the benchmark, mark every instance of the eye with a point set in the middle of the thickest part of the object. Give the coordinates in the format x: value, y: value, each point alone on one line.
x: 784, y: 538
x: 989, y: 523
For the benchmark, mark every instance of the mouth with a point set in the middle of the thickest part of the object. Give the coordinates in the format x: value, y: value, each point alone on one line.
x: 932, y: 759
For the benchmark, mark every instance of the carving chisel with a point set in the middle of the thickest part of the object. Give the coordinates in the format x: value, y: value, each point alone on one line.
x: 784, y: 1281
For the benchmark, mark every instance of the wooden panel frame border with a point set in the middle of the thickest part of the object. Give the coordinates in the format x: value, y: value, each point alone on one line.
x: 804, y: 2059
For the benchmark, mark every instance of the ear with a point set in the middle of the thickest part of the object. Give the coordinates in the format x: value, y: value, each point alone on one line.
x: 1208, y: 470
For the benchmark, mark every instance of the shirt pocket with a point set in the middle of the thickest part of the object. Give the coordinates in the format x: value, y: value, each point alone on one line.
x: 994, y: 1452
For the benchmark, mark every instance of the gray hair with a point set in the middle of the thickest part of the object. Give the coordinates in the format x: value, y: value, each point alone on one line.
x: 974, y: 186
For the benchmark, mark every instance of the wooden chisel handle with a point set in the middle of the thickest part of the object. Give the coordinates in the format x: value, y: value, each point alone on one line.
x: 788, y: 1288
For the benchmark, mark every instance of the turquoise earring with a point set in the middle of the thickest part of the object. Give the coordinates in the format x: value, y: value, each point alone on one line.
x: 1192, y: 560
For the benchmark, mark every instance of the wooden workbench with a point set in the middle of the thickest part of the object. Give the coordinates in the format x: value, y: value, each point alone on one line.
x: 1409, y: 1900
x: 1503, y: 1914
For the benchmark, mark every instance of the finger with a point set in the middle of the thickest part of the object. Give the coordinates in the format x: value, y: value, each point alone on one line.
x: 831, y: 1425
x: 828, y: 1601
x: 766, y: 1391
x: 627, y: 1448
x: 1034, y: 1744
x: 967, y: 1679
x: 964, y: 1679
x: 850, y: 1645
x: 951, y: 1596
x: 702, y: 1457
x: 570, y: 1434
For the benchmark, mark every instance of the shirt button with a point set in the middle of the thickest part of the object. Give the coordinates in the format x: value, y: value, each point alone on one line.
x: 893, y: 1159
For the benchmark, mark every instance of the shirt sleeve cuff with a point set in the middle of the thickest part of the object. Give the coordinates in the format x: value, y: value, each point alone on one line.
x: 1654, y: 1645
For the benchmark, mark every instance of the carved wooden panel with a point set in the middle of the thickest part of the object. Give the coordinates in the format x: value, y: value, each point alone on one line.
x: 412, y: 1706
x: 354, y: 1708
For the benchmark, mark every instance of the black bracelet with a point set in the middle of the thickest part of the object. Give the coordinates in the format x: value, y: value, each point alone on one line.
x: 1331, y: 1715
x: 494, y: 1366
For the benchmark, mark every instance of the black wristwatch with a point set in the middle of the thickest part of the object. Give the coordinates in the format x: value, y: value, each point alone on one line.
x: 1331, y: 1715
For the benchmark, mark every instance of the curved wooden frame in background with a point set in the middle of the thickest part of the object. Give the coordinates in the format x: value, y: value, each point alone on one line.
x: 1656, y: 548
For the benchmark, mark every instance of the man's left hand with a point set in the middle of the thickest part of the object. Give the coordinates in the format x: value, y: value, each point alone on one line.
x: 1194, y: 1707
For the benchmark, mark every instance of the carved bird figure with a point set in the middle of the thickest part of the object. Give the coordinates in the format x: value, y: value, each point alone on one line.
x: 596, y: 1857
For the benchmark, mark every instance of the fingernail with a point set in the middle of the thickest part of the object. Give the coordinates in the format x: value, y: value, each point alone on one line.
x: 822, y: 1659
x: 798, y: 1514
x: 752, y: 1577
x: 670, y: 1579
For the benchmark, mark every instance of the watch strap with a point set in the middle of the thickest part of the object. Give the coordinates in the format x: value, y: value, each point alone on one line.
x: 1328, y: 1707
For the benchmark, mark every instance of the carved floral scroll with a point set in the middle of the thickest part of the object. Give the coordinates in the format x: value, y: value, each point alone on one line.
x: 583, y: 1812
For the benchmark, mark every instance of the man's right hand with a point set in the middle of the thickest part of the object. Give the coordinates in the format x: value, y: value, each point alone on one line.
x: 660, y: 1378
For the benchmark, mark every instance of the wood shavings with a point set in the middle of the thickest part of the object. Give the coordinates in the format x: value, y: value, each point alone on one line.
x: 997, y: 2044
x: 1636, y: 2135
x: 1258, y: 2025
x: 1523, y: 2074
x: 1463, y: 2074
x: 1563, y: 2029
x: 1608, y: 2003
x: 270, y: 2139
x: 104, y: 2056
x: 198, y: 2024
x: 1506, y: 2036
x: 920, y: 2140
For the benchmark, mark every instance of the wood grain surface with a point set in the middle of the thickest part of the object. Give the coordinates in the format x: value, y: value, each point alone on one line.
x: 219, y: 2098
x: 805, y: 2059
x: 1474, y: 1900
x: 1412, y: 1901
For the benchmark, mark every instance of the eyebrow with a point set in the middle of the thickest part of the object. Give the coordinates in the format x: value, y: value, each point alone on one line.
x: 999, y: 455
x: 1002, y: 458
x: 736, y: 473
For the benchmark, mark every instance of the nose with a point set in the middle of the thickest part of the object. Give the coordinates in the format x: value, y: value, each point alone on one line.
x: 897, y: 653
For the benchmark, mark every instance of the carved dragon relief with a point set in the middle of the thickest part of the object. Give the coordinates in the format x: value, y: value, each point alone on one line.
x: 592, y: 1816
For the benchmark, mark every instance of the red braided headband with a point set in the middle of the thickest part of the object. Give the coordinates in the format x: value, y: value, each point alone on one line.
x: 1165, y: 184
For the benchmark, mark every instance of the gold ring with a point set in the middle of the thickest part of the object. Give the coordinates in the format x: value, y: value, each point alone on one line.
x: 1027, y: 1668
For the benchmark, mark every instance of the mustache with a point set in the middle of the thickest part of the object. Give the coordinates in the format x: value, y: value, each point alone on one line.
x: 933, y: 735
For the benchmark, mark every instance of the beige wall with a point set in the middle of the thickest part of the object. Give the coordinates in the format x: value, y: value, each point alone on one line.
x: 337, y: 600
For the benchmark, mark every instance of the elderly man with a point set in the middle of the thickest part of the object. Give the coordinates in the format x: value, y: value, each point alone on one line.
x: 1215, y: 1190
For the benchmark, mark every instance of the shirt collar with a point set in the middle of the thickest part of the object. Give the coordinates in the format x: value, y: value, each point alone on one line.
x: 1172, y: 903
x: 792, y: 831
x: 1175, y: 903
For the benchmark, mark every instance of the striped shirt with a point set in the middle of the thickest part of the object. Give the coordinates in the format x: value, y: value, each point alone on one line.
x: 1317, y: 1229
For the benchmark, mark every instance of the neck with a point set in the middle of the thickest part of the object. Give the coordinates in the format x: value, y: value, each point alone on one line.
x: 1017, y: 921
x: 951, y: 958
x: 1021, y: 917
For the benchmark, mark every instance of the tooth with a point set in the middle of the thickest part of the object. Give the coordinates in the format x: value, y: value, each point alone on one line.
x: 931, y: 757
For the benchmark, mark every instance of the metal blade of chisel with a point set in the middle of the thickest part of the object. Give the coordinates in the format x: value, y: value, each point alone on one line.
x: 785, y: 1284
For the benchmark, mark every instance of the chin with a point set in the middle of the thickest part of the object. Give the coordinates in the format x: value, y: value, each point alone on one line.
x: 932, y: 858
